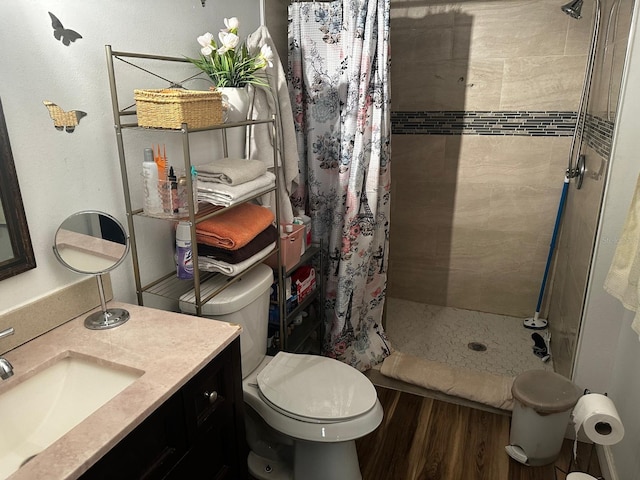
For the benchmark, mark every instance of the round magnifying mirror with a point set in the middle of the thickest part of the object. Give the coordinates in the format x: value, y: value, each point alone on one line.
x: 93, y: 243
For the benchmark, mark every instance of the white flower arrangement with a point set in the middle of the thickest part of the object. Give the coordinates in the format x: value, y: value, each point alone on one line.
x: 229, y: 63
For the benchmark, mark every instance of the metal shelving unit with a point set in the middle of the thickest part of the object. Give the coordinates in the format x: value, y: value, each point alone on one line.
x: 169, y: 286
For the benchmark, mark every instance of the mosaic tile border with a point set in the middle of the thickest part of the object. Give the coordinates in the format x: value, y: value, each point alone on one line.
x: 598, y: 134
x: 521, y: 123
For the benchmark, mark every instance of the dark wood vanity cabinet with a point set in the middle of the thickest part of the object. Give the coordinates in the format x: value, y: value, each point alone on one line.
x: 197, y: 433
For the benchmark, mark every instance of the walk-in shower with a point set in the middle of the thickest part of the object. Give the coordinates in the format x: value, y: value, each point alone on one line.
x: 483, y: 133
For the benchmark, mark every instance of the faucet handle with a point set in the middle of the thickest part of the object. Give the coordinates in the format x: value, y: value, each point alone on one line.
x: 7, y: 332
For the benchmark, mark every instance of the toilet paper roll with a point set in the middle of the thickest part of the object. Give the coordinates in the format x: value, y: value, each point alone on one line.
x: 597, y: 416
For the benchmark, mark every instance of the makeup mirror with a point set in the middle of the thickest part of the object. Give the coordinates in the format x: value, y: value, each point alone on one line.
x: 93, y: 243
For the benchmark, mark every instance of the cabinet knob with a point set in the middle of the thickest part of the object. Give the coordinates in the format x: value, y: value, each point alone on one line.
x: 211, y: 396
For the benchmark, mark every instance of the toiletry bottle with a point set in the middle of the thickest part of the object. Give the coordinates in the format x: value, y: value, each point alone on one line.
x: 184, y: 258
x: 151, y: 205
x: 173, y: 185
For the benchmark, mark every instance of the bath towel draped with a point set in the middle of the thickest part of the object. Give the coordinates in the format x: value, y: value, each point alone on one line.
x: 234, y: 228
x: 275, y: 100
x: 623, y: 278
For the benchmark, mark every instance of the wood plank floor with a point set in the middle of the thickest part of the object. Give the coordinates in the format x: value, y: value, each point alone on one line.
x: 427, y: 439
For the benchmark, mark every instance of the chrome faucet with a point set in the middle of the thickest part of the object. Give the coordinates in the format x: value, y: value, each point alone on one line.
x: 6, y: 369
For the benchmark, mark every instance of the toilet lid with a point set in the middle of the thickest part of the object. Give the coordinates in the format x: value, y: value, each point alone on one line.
x: 317, y: 388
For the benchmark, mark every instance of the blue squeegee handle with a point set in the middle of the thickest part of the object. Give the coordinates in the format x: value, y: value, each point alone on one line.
x: 554, y: 237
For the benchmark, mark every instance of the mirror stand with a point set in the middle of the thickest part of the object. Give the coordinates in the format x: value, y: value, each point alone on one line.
x: 107, y: 317
x: 94, y: 243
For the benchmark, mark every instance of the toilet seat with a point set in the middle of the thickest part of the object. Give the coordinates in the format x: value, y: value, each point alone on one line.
x: 307, y: 429
x: 315, y: 389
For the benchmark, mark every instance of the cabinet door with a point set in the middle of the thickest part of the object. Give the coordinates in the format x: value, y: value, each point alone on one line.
x: 214, y: 412
x: 150, y: 451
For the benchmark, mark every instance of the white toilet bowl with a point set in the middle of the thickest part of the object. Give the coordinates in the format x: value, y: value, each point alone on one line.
x: 312, y: 402
x: 306, y: 411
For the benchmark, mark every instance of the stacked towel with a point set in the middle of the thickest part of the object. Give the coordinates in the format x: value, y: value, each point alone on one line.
x: 231, y: 171
x: 265, y: 238
x: 212, y: 265
x: 227, y: 194
x: 235, y: 227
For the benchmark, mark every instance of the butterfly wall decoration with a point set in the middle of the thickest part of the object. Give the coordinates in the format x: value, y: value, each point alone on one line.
x: 65, y: 35
x: 64, y: 120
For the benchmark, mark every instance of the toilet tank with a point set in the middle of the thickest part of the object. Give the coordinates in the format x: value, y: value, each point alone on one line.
x: 245, y: 302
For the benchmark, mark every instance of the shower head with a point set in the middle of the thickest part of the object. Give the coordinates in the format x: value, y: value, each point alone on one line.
x: 573, y: 9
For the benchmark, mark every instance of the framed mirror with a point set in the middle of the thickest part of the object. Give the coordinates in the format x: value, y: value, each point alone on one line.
x: 16, y: 251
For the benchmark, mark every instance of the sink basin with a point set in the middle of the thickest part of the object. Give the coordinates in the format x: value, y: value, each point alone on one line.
x: 41, y: 409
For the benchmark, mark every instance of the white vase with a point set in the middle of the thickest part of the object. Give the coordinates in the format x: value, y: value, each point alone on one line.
x: 236, y: 99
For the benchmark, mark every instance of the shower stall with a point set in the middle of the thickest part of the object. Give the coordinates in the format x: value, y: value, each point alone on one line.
x: 485, y: 98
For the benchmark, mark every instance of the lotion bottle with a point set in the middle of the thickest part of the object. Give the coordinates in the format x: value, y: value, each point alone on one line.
x: 152, y: 204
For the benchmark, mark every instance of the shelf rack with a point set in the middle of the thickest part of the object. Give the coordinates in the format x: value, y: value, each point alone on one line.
x: 168, y: 285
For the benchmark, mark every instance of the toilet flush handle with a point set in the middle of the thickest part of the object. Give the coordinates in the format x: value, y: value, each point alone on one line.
x: 211, y: 396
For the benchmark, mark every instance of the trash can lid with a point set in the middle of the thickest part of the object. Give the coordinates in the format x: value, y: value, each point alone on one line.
x: 545, y: 392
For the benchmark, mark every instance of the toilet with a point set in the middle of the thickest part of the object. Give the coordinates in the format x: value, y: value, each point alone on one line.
x: 305, y: 411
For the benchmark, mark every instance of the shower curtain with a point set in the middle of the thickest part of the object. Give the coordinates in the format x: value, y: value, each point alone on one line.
x: 339, y: 85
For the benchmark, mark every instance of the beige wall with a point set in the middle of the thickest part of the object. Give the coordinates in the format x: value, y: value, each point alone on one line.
x: 472, y: 215
x: 583, y: 206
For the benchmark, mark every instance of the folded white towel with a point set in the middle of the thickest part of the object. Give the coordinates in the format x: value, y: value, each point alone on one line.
x: 209, y: 264
x: 232, y: 171
x: 226, y: 195
x: 623, y: 278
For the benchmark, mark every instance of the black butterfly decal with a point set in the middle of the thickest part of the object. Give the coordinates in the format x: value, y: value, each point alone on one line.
x: 64, y: 35
x: 64, y: 120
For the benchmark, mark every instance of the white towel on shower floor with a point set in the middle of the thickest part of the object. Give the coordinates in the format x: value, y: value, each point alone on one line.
x: 623, y: 279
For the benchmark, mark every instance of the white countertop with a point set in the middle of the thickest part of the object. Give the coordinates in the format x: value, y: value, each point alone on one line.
x: 168, y: 347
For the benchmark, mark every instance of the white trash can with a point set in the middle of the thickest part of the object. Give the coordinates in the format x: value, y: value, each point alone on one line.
x: 542, y: 407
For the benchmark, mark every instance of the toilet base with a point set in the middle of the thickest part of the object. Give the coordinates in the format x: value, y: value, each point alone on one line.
x: 262, y: 468
x: 321, y: 461
x: 312, y: 461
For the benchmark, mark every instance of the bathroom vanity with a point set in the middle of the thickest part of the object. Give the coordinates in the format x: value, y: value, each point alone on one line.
x: 180, y: 416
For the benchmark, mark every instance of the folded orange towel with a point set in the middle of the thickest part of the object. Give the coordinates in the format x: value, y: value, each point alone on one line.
x: 235, y: 227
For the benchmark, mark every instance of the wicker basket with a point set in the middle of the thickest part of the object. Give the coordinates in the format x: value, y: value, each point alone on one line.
x: 170, y: 108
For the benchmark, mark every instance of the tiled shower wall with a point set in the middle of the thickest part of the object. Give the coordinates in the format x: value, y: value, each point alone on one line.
x: 483, y: 98
x: 583, y: 206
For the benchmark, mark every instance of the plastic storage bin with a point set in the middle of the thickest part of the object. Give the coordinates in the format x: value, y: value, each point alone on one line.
x: 542, y: 407
x: 291, y: 248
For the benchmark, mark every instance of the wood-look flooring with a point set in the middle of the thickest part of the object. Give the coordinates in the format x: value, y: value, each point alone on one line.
x: 428, y: 439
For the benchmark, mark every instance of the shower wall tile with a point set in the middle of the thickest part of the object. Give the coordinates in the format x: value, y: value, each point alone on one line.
x: 417, y: 282
x: 542, y: 83
x: 579, y: 33
x: 508, y: 160
x: 531, y: 32
x: 446, y: 85
x: 523, y: 208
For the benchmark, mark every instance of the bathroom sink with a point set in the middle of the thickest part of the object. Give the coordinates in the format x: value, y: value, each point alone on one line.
x: 42, y: 408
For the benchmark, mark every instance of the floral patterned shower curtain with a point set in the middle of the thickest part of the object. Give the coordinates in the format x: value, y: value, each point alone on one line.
x: 339, y: 85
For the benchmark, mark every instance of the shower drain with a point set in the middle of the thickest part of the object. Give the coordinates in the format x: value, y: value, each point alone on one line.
x: 477, y: 347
